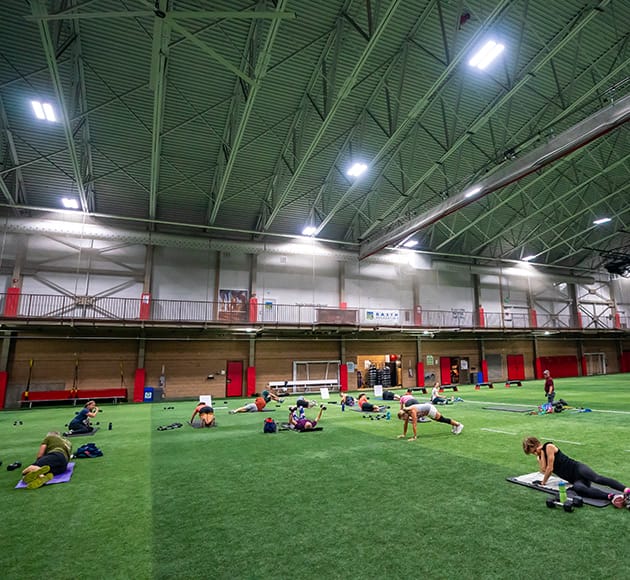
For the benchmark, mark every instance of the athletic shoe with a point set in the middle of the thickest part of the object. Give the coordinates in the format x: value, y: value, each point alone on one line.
x: 32, y: 475
x: 232, y: 412
x: 458, y: 429
x: 619, y: 501
x: 39, y: 481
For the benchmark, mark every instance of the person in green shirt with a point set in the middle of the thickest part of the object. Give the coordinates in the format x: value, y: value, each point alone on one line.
x: 52, y: 459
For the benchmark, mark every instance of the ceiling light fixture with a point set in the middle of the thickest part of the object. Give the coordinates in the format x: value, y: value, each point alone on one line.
x: 410, y: 244
x: 528, y: 258
x: 309, y: 230
x: 357, y: 169
x: 69, y: 203
x: 601, y: 221
x: 486, y: 55
x: 44, y: 111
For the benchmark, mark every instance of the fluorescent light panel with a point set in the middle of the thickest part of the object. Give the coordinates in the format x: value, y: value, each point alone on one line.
x: 528, y: 258
x: 44, y: 111
x: 473, y: 191
x: 601, y: 221
x: 309, y: 231
x: 486, y: 55
x: 357, y: 169
x: 410, y: 243
x: 69, y: 203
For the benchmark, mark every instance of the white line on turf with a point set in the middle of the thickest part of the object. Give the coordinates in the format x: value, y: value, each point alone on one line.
x: 498, y: 431
x: 561, y: 441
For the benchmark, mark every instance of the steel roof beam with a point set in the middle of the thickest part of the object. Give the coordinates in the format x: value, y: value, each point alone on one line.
x: 260, y: 70
x: 573, y: 138
x: 343, y: 94
x: 38, y: 8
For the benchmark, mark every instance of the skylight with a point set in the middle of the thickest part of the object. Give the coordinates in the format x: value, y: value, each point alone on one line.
x: 486, y: 55
x: 44, y: 111
x: 357, y: 169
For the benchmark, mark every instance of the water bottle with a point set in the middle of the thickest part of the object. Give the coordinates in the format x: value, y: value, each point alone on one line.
x: 388, y: 416
x: 562, y: 490
x: 343, y: 407
x: 110, y: 427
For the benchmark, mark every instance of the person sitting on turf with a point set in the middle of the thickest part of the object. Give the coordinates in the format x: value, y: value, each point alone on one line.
x: 52, y: 459
x: 81, y: 422
x: 414, y: 412
x: 367, y: 407
x: 301, y: 423
x: 435, y: 396
x: 305, y: 403
x: 206, y: 414
x: 257, y: 406
x: 347, y: 400
x: 579, y: 475
x: 269, y: 396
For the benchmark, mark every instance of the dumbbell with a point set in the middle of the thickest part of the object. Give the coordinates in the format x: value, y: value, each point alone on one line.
x: 567, y: 506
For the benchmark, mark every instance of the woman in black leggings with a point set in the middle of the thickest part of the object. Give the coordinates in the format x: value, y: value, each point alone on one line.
x: 552, y: 460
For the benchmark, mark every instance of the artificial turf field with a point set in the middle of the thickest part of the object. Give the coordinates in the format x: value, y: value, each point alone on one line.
x: 351, y: 501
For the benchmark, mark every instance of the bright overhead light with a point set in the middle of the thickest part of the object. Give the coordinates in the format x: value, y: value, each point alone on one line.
x: 410, y: 243
x: 486, y: 55
x: 44, y: 111
x: 357, y: 169
x: 473, y: 191
x: 602, y: 221
x: 528, y: 258
x: 69, y: 203
x: 309, y: 230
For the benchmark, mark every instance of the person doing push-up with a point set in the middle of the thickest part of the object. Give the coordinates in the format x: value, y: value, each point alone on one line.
x: 413, y: 412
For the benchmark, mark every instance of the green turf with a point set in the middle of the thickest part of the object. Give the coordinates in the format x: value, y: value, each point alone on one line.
x: 351, y: 501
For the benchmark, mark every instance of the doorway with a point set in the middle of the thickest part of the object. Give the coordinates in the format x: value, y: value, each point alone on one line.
x: 234, y: 379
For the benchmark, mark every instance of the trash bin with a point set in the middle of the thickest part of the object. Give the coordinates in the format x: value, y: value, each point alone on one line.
x: 148, y: 395
x: 480, y: 377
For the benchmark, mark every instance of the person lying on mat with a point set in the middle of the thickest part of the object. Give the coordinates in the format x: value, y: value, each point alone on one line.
x: 414, y: 412
x: 435, y: 396
x: 81, y: 422
x: 258, y: 405
x: 206, y: 414
x: 579, y: 475
x: 269, y: 396
x: 52, y: 459
x: 301, y: 423
x: 365, y: 405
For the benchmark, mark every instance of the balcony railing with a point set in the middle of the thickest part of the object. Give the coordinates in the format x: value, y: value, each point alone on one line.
x: 30, y: 308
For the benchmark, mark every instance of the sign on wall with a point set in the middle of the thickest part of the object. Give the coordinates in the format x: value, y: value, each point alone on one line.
x: 386, y: 316
x: 430, y: 360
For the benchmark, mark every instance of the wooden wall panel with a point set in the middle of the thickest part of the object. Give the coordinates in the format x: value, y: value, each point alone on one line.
x: 505, y: 347
x: 558, y: 348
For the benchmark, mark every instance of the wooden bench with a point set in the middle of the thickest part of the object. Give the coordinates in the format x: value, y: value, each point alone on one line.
x: 66, y: 396
x: 442, y: 387
x: 509, y: 384
x: 306, y: 385
x: 479, y: 385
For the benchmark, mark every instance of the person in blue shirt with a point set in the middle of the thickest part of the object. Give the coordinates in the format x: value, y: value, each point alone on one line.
x: 81, y: 421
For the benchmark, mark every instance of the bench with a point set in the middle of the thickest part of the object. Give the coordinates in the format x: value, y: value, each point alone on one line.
x: 66, y: 396
x: 305, y: 385
x: 423, y: 389
x: 509, y: 384
x: 479, y: 385
x: 442, y: 387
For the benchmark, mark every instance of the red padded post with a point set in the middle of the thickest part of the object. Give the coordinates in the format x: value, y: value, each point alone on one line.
x: 484, y: 370
x: 420, y: 374
x: 4, y: 376
x: 251, y: 381
x: 12, y: 301
x: 343, y: 377
x: 138, y: 385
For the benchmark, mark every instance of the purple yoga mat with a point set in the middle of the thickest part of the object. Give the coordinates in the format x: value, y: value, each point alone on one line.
x: 62, y: 478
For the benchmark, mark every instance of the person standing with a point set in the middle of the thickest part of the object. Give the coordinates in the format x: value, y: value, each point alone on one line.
x: 550, y: 389
x: 552, y: 460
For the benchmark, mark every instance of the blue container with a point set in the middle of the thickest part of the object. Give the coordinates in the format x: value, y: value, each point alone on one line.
x: 148, y: 395
x: 480, y: 377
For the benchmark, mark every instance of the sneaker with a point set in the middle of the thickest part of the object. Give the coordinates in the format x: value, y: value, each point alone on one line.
x: 33, y: 475
x: 323, y: 407
x: 39, y: 481
x: 458, y: 429
x: 619, y: 501
x: 232, y: 412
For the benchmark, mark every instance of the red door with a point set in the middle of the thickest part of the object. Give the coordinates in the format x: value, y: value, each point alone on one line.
x: 445, y: 370
x: 515, y: 367
x: 234, y: 379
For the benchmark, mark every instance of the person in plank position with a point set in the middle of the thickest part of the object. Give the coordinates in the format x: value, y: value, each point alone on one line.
x: 415, y: 411
x: 579, y: 475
